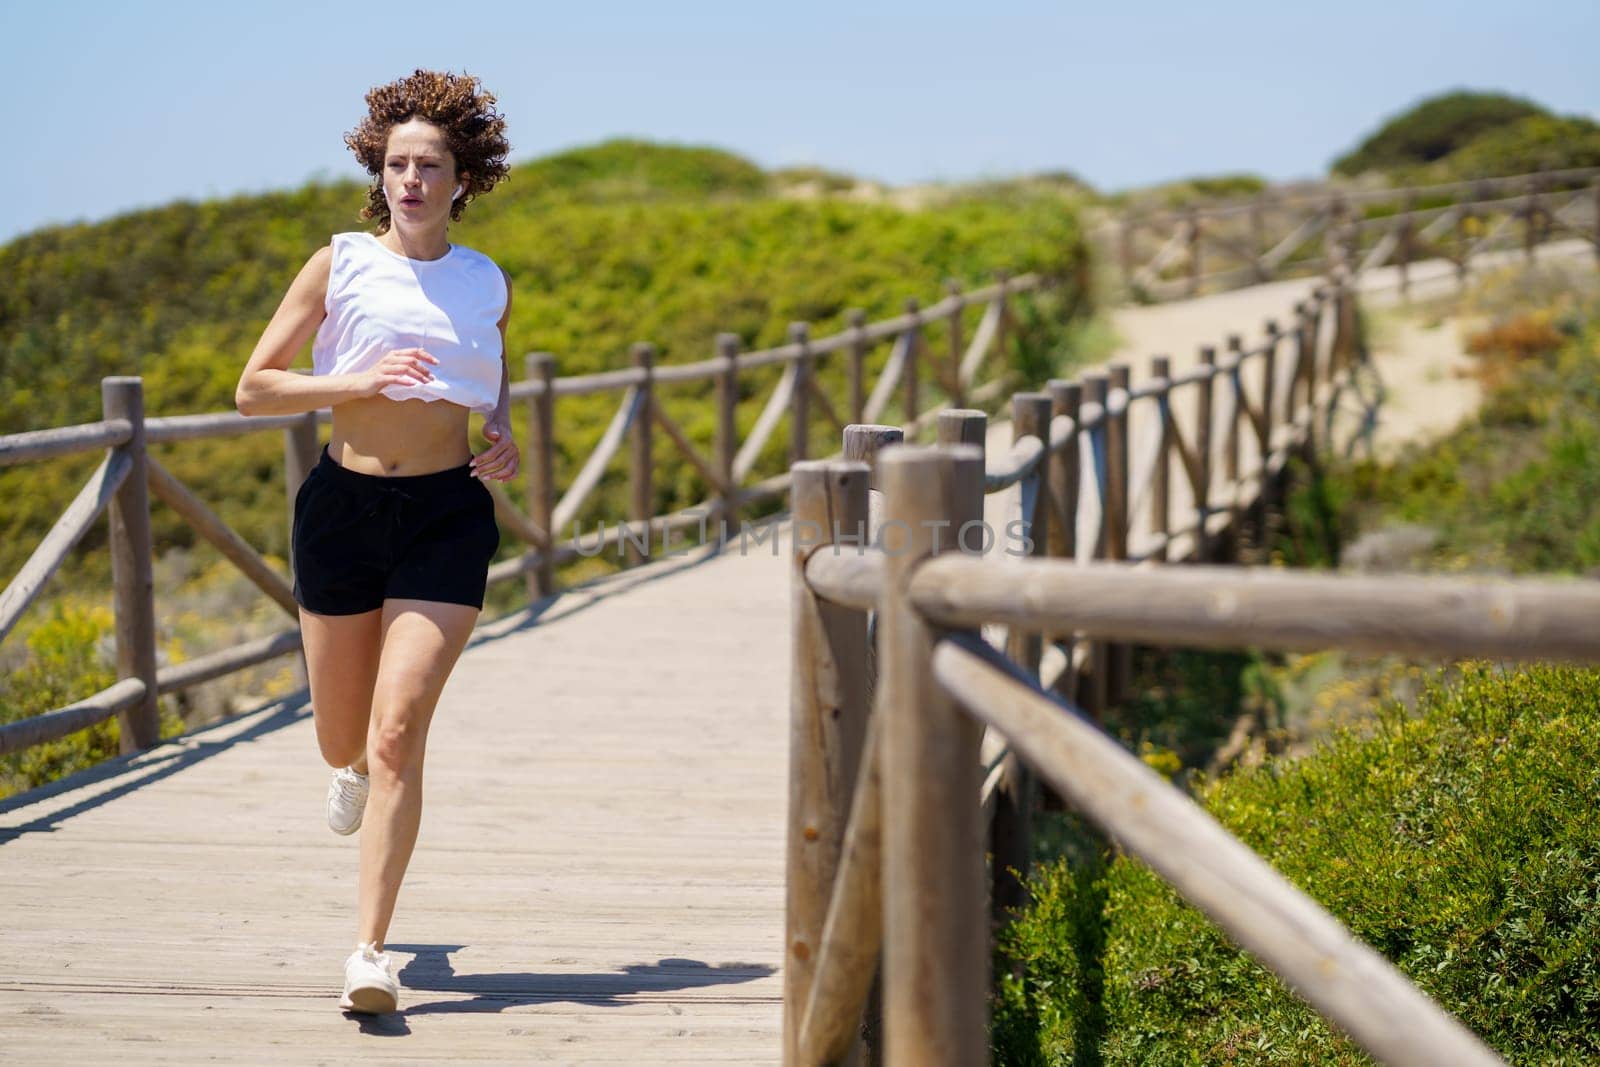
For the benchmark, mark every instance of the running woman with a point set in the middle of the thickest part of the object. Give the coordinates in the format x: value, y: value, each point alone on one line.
x: 394, y: 527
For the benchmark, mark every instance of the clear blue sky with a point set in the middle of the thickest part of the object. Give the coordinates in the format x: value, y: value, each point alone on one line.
x: 119, y: 104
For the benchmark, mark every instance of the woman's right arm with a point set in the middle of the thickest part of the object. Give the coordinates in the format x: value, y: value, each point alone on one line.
x: 269, y: 387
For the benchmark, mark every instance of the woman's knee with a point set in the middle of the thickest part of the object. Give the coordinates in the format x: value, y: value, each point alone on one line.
x: 396, y: 745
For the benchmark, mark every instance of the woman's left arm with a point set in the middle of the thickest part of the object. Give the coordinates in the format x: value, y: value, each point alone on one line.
x: 501, y: 460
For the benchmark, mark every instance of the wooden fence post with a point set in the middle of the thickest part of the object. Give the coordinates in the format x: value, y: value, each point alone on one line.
x: 642, y: 454
x: 1312, y: 326
x: 1091, y: 695
x: 132, y: 577
x: 1530, y: 218
x: 1269, y: 407
x: 909, y: 378
x: 1002, y: 324
x: 1125, y: 251
x: 1230, y: 443
x: 936, y: 960
x: 1192, y: 219
x: 1404, y: 250
x: 1597, y: 220
x: 1258, y: 240
x: 1119, y: 677
x: 1011, y: 830
x: 958, y: 394
x: 1061, y: 542
x: 828, y: 708
x: 727, y: 435
x: 1160, y: 489
x: 540, y: 472
x: 300, y: 454
x: 800, y: 399
x: 863, y: 442
x: 962, y: 426
x: 1205, y: 401
x: 858, y: 358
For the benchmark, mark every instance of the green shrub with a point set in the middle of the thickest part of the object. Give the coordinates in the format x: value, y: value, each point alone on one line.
x: 1456, y: 842
x: 1434, y: 128
x: 1538, y: 142
x: 70, y: 656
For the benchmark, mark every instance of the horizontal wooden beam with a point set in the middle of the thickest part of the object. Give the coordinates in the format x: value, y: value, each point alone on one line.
x: 227, y: 660
x: 209, y: 524
x: 32, y: 445
x: 1231, y: 607
x: 74, y: 522
x: 54, y: 725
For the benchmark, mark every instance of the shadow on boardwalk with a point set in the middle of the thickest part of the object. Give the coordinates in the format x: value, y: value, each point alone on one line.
x: 431, y: 971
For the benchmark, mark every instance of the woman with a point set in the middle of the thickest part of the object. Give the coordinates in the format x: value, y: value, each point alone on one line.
x: 394, y: 528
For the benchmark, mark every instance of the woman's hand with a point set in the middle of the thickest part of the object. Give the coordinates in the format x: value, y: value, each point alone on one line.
x: 400, y: 366
x: 501, y: 460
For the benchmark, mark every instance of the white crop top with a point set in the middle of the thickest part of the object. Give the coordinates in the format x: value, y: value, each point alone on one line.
x: 379, y: 300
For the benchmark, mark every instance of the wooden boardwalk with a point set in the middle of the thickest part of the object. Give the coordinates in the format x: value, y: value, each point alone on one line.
x: 599, y: 878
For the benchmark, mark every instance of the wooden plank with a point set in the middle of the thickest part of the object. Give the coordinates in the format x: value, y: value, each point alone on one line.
x: 74, y: 522
x: 777, y: 404
x: 595, y: 465
x: 1231, y: 607
x: 1341, y: 978
x: 987, y: 332
x: 79, y: 715
x: 33, y: 445
x: 685, y: 446
x: 888, y: 379
x: 209, y: 525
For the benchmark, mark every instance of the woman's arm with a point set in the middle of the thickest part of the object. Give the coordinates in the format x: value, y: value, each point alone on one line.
x: 268, y: 387
x: 501, y: 460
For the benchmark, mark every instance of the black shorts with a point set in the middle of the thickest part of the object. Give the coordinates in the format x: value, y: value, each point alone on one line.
x: 360, y: 539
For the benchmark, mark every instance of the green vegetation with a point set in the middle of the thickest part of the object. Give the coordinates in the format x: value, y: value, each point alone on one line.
x: 1455, y: 841
x: 1461, y: 136
x: 1517, y: 489
x: 1432, y: 129
x: 1538, y: 142
x: 69, y: 654
x: 1447, y: 826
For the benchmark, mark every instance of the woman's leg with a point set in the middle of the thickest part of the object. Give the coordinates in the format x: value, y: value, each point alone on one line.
x: 421, y: 641
x: 342, y: 666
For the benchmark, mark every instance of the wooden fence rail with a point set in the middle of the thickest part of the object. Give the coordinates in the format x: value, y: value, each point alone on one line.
x: 123, y: 482
x: 887, y: 865
x: 1166, y: 254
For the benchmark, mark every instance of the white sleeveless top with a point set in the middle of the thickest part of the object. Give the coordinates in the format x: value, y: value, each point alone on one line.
x: 379, y: 300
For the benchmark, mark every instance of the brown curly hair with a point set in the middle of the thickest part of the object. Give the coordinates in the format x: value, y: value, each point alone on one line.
x: 460, y: 106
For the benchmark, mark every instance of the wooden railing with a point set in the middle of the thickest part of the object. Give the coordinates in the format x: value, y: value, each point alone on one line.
x: 129, y: 473
x: 912, y: 751
x: 1166, y: 254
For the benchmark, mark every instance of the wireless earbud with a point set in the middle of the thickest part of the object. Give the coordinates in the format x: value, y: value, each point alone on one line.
x: 459, y: 190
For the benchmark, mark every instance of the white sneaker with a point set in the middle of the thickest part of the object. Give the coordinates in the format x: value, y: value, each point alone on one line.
x: 368, y: 984
x: 347, y: 800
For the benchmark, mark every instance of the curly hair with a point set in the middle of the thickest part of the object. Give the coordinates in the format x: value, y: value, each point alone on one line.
x: 460, y: 106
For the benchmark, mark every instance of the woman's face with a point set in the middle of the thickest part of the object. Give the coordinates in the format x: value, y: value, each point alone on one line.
x: 419, y: 175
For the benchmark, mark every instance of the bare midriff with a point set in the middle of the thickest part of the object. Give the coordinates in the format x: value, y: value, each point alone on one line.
x: 389, y: 438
